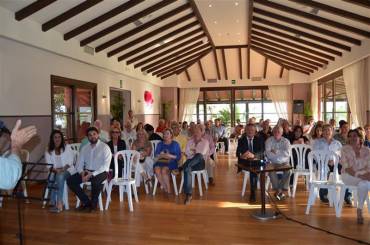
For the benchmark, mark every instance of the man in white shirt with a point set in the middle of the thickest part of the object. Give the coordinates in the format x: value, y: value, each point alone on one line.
x: 132, y: 119
x: 277, y: 149
x: 197, y: 152
x: 92, y: 165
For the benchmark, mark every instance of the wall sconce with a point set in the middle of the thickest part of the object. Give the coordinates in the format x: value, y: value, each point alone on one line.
x: 104, y: 97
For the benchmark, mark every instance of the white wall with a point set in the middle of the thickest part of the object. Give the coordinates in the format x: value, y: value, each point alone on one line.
x: 25, y: 81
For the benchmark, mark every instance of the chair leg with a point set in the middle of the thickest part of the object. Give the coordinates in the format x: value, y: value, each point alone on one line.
x: 311, y: 199
x: 135, y: 192
x: 155, y: 185
x: 100, y: 199
x: 182, y: 182
x: 355, y: 198
x: 192, y: 180
x: 295, y: 183
x: 65, y: 197
x: 109, y: 192
x: 205, y: 179
x: 340, y: 201
x: 120, y: 189
x: 245, y: 181
x: 129, y: 197
x: 199, y: 178
x: 146, y: 188
x: 45, y: 197
x: 174, y: 184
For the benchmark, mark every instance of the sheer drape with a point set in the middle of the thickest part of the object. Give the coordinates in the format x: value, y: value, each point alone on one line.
x: 281, y: 97
x: 188, y: 102
x: 315, y: 100
x: 356, y: 79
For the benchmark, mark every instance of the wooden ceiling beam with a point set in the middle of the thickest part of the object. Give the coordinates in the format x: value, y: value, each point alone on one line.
x: 361, y: 3
x: 284, y: 63
x: 78, y: 9
x: 165, y: 45
x: 291, y: 44
x: 285, y: 56
x: 335, y: 11
x: 143, y: 27
x: 102, y: 18
x: 314, y: 17
x: 305, y: 34
x: 173, y: 58
x: 232, y: 46
x: 194, y: 56
x: 240, y: 63
x: 250, y: 20
x: 265, y: 68
x: 310, y: 27
x: 158, y: 40
x: 296, y: 39
x: 167, y: 54
x: 126, y: 21
x: 32, y: 8
x: 201, y: 70
x: 149, y: 35
x: 201, y: 21
x: 224, y: 62
x: 181, y: 66
x: 281, y: 71
x: 216, y: 63
x: 187, y: 75
x: 307, y: 57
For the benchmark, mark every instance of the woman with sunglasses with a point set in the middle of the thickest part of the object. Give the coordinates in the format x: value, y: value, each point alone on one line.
x: 116, y: 144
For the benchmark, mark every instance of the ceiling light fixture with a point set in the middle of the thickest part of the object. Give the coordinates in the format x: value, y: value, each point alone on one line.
x: 215, y: 22
x: 210, y: 5
x: 236, y: 3
x: 237, y: 21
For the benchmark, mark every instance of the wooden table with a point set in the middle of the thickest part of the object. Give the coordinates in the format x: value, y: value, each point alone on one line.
x: 264, y: 214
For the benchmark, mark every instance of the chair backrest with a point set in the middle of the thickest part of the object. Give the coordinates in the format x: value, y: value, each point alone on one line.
x: 128, y: 159
x: 25, y: 155
x: 301, y: 152
x: 154, y: 147
x: 75, y: 146
x: 322, y: 159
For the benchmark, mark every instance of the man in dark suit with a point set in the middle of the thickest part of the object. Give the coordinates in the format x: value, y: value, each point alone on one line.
x: 250, y: 147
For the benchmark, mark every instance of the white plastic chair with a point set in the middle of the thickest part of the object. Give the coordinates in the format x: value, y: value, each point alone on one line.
x: 100, y: 198
x: 320, y: 179
x: 174, y: 184
x: 221, y: 147
x: 354, y: 191
x: 126, y: 180
x: 300, y: 169
x: 201, y: 174
x: 65, y: 196
x: 154, y: 147
x: 75, y: 147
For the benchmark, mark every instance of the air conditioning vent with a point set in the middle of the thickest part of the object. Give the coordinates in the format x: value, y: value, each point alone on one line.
x: 212, y: 80
x: 89, y: 50
x: 255, y: 79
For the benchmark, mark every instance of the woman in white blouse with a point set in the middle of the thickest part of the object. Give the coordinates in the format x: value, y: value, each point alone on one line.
x: 61, y: 156
x: 355, y: 162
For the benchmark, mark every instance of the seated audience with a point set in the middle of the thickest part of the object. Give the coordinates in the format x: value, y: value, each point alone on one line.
x: 333, y: 124
x: 103, y: 135
x: 167, y: 156
x: 161, y: 126
x: 307, y: 129
x: 367, y: 135
x: 210, y: 162
x: 197, y: 152
x: 298, y: 122
x: 316, y: 134
x: 61, y: 157
x: 144, y: 147
x: 92, y: 165
x: 277, y: 149
x: 298, y: 137
x: 114, y: 123
x: 259, y: 125
x: 343, y: 132
x: 355, y: 160
x: 128, y: 134
x: 250, y: 146
x: 252, y: 120
x: 329, y: 144
x: 150, y: 131
x: 265, y: 132
x: 185, y: 129
x: 220, y: 130
x: 139, y: 126
x: 238, y: 131
x: 179, y: 138
x: 191, y: 129
x: 116, y: 144
x: 287, y: 133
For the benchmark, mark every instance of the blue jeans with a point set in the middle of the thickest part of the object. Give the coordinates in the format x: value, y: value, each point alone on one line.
x: 58, y: 187
x: 194, y: 164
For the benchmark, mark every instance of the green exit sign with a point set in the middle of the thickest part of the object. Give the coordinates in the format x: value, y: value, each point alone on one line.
x: 233, y: 81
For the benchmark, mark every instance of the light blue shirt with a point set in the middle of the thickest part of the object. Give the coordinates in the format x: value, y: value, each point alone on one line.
x: 281, y: 148
x: 10, y: 171
x: 322, y: 145
x: 220, y: 131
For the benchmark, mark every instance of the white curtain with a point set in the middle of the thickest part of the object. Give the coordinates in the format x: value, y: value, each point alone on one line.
x: 315, y: 100
x: 356, y: 79
x: 281, y: 97
x: 188, y: 102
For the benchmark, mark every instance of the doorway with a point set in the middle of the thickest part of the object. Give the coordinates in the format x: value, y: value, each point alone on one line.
x: 120, y: 103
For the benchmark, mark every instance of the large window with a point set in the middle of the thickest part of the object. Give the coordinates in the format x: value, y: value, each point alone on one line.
x: 232, y: 104
x: 333, y: 97
x: 73, y: 106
